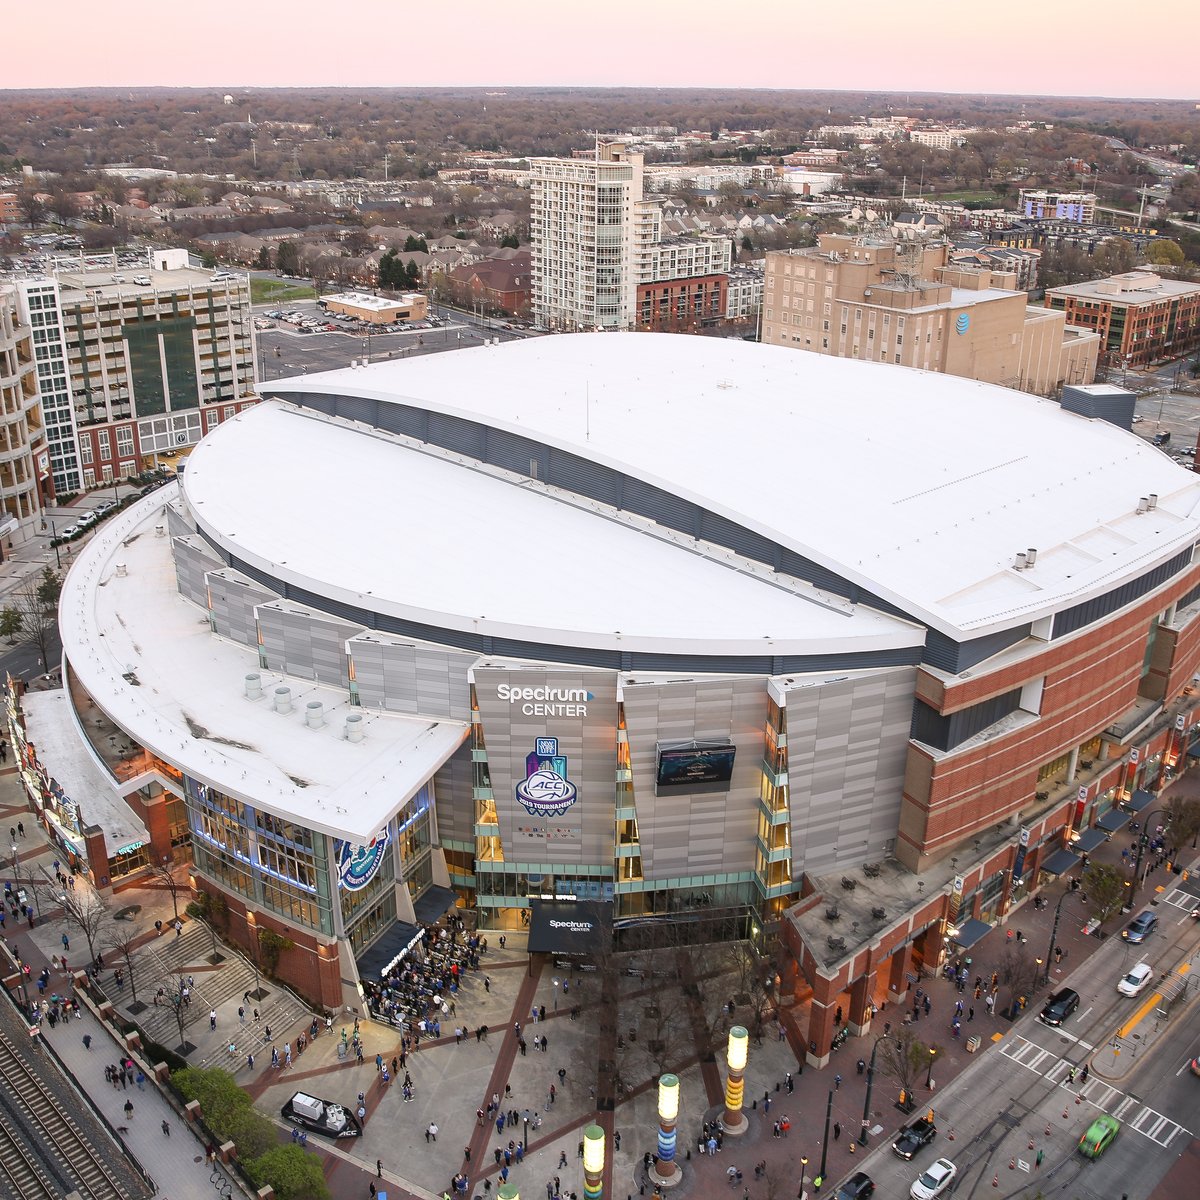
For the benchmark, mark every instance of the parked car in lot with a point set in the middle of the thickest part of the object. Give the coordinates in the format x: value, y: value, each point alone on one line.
x: 1060, y: 1006
x: 1136, y: 980
x: 89, y: 518
x: 69, y: 532
x: 1099, y: 1136
x: 1140, y: 928
x: 105, y: 508
x: 934, y: 1180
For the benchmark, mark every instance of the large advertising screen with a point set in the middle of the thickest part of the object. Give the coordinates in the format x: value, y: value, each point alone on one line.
x: 695, y: 767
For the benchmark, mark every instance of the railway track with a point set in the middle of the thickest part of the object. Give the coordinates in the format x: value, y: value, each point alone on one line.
x: 66, y: 1152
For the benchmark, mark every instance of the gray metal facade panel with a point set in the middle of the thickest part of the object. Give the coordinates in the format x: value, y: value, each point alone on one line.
x: 358, y: 408
x: 847, y: 749
x: 706, y: 832
x: 663, y: 507
x: 517, y: 454
x: 453, y: 433
x: 405, y: 420
x: 455, y: 798
x: 232, y: 607
x: 585, y: 478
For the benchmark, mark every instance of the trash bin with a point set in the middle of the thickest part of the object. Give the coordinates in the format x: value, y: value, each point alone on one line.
x: 973, y: 1043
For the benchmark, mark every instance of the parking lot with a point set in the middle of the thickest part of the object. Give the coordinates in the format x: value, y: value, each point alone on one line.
x: 286, y: 348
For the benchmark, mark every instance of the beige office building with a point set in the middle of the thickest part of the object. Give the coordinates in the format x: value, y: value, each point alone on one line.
x: 884, y: 300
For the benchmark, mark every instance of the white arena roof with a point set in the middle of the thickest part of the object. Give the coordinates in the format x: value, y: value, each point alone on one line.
x: 148, y: 658
x: 918, y: 487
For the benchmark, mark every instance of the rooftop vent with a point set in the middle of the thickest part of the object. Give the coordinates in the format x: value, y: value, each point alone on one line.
x: 1019, y: 563
x: 253, y: 686
x: 122, y: 570
x: 1143, y: 504
x: 1030, y: 556
x: 314, y: 714
x: 283, y: 700
x: 1152, y: 501
x: 354, y: 727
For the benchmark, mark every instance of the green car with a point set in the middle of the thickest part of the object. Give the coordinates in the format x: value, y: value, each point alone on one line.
x: 1099, y: 1136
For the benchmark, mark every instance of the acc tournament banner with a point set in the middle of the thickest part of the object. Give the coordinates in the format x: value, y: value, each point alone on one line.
x: 550, y: 737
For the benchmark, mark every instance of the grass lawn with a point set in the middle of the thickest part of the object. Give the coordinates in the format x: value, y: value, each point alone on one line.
x: 271, y: 291
x: 962, y: 197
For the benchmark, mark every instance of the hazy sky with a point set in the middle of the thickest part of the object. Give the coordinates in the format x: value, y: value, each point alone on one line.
x: 1018, y: 46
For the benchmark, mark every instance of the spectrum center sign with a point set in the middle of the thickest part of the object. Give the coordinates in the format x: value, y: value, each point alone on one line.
x: 547, y: 701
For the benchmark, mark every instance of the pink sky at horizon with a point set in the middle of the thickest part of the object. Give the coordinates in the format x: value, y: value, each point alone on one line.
x: 1023, y: 47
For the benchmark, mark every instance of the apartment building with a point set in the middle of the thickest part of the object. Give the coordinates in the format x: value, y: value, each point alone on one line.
x: 1041, y: 205
x: 1138, y: 317
x: 133, y: 366
x: 901, y: 301
x: 25, y: 484
x: 600, y: 258
x: 941, y: 138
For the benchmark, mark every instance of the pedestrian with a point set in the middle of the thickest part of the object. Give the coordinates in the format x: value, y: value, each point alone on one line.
x: 379, y: 1168
x: 212, y: 1018
x: 178, y: 927
x: 1071, y: 1075
x: 837, y: 1130
x: 128, y: 1109
x: 20, y: 824
x: 66, y: 942
x: 250, y: 1061
x: 1087, y: 1070
x: 372, y: 1189
x: 971, y: 1013
x: 166, y: 1128
x: 241, y: 1015
x: 861, y: 1065
x: 87, y: 1041
x: 837, y: 1082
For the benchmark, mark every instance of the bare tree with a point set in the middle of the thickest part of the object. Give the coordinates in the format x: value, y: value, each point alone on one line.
x: 122, y: 934
x: 163, y: 874
x: 903, y: 1057
x: 1018, y: 970
x: 1184, y: 822
x: 38, y: 615
x: 182, y: 1010
x: 83, y: 909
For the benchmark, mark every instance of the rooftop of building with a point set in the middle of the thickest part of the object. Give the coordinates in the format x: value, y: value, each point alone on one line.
x: 497, y: 554
x: 926, y: 505
x: 148, y: 658
x: 1131, y: 287
x: 372, y: 303
x: 75, y: 285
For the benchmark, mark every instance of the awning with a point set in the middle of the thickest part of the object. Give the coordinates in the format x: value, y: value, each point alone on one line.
x: 1140, y: 800
x: 1088, y: 840
x: 1193, y: 751
x: 581, y: 927
x: 377, y: 960
x: 434, y: 903
x: 1060, y: 862
x: 969, y: 932
x: 1113, y: 820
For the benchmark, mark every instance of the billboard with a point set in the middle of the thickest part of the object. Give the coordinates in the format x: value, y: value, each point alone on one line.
x: 694, y: 767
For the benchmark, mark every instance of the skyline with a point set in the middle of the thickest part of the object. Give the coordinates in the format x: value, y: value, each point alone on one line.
x: 664, y: 44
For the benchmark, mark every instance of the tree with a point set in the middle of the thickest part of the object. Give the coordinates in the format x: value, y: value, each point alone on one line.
x: 1105, y: 888
x: 122, y: 936
x: 1183, y: 812
x: 390, y: 271
x: 747, y: 244
x: 163, y: 875
x: 904, y: 1057
x: 38, y: 619
x: 184, y: 1014
x: 208, y: 260
x: 220, y: 1097
x: 49, y: 587
x: 31, y: 206
x: 263, y: 261
x: 293, y: 1173
x: 210, y: 908
x: 412, y: 274
x: 1018, y: 970
x: 271, y: 945
x: 1164, y: 252
x: 510, y: 241
x: 415, y: 244
x: 83, y: 909
x: 10, y: 623
x: 287, y: 258
x: 64, y: 206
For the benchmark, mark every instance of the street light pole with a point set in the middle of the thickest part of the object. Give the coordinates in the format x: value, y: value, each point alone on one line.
x: 1071, y: 891
x: 825, y: 1139
x: 866, y: 1121
x: 1143, y: 842
x: 929, y: 1073
x: 803, y: 1169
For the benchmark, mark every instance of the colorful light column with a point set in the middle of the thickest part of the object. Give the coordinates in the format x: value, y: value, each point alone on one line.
x: 734, y: 1119
x: 666, y: 1171
x: 593, y: 1162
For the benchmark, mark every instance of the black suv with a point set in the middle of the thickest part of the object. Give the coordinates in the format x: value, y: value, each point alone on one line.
x: 858, y: 1187
x: 1060, y: 1006
x: 913, y: 1137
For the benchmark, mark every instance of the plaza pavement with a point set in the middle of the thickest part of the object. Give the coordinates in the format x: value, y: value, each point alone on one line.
x: 453, y: 1078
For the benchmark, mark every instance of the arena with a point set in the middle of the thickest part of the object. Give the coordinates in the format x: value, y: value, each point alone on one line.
x: 692, y: 629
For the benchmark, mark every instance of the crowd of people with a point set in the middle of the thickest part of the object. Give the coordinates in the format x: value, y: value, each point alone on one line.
x: 423, y: 987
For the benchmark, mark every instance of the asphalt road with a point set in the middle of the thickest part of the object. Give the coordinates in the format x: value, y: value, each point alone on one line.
x: 1018, y: 1093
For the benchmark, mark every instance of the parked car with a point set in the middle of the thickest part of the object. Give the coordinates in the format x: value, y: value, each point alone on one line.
x: 104, y: 509
x: 1194, y: 1065
x: 914, y: 1137
x: 69, y: 532
x: 89, y: 518
x: 934, y: 1180
x: 1099, y: 1136
x: 1060, y: 1006
x: 1136, y: 980
x: 1140, y: 928
x: 858, y: 1187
